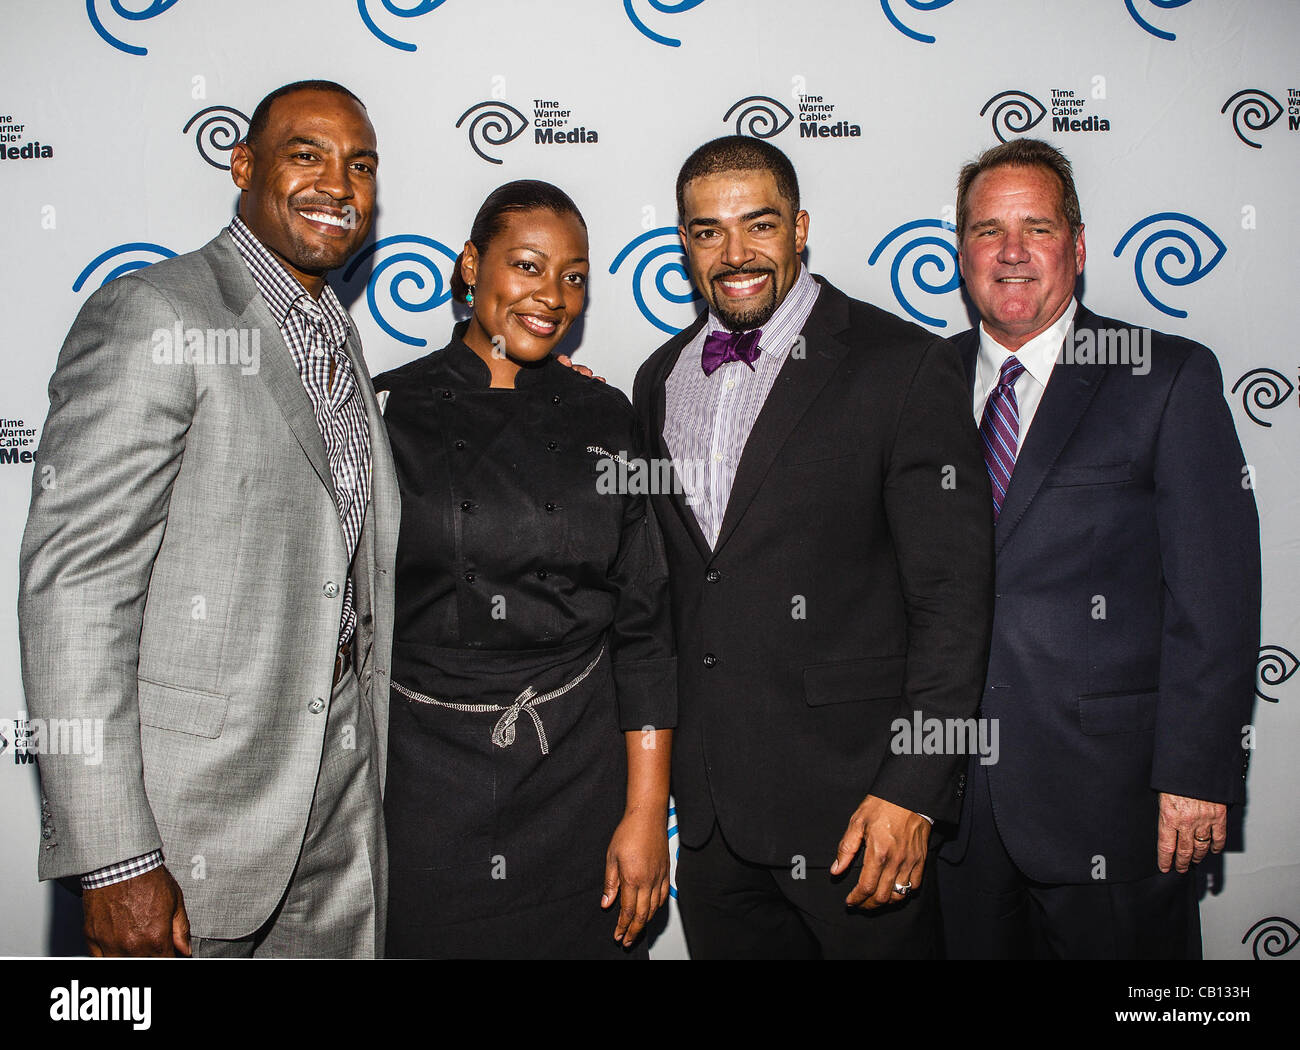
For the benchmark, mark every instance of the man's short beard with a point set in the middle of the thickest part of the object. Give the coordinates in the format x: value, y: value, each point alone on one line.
x: 751, y: 317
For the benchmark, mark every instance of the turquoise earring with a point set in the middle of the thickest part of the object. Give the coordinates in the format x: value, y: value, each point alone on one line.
x: 469, y: 297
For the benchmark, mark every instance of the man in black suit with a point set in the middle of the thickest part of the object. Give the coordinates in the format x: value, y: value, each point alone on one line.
x: 830, y: 552
x: 1126, y: 625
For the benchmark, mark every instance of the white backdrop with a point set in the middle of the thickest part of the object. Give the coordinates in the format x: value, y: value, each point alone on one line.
x: 1182, y: 118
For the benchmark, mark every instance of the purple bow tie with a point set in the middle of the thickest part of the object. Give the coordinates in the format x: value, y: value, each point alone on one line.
x: 721, y: 347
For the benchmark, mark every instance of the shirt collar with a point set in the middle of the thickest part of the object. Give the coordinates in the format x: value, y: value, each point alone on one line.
x: 281, y: 290
x: 1038, y: 355
x: 472, y: 370
x: 798, y: 300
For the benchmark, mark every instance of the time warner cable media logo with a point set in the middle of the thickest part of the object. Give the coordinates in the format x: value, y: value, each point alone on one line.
x: 217, y: 131
x: 1255, y: 110
x: 494, y: 122
x: 1015, y: 112
x: 1171, y: 253
x: 764, y: 117
x: 1263, y: 389
x: 665, y: 7
x: 918, y: 5
x: 153, y: 10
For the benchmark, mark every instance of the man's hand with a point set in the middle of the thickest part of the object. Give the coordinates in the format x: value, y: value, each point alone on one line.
x: 893, y: 840
x: 144, y: 915
x: 636, y: 872
x: 1188, y: 829
x: 567, y: 362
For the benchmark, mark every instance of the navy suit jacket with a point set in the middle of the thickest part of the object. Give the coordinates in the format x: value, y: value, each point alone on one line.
x: 1126, y: 622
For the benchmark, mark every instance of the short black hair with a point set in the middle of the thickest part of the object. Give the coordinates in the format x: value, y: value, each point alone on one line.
x: 739, y: 153
x: 257, y: 122
x: 517, y: 196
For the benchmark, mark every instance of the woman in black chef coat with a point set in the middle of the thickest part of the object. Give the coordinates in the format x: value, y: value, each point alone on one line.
x: 533, y: 675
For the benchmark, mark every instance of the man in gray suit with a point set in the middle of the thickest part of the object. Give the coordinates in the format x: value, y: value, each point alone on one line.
x: 207, y: 574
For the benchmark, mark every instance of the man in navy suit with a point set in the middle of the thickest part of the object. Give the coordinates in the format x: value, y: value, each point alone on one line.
x: 1126, y: 623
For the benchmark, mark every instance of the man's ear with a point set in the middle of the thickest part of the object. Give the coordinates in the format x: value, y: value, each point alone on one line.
x: 800, y: 231
x: 241, y: 165
x: 1080, y: 252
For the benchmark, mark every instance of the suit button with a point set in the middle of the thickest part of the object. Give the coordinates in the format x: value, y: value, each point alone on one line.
x: 47, y: 833
x: 552, y: 446
x: 470, y: 577
x: 331, y: 589
x: 316, y: 706
x: 713, y: 576
x: 467, y: 506
x: 550, y: 508
x: 460, y: 446
x: 710, y: 660
x: 542, y: 574
x: 447, y: 395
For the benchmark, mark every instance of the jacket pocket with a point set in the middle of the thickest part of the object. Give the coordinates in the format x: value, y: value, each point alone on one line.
x: 1100, y: 474
x: 872, y: 678
x: 1109, y: 713
x: 191, y: 711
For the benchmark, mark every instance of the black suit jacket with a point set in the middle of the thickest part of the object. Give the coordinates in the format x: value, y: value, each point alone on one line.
x: 862, y: 499
x: 1126, y: 626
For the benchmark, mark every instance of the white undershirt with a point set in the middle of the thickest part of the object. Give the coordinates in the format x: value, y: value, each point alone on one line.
x: 1039, y: 356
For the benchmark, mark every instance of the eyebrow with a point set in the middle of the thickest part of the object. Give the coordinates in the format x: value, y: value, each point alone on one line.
x: 749, y: 216
x: 538, y: 251
x: 302, y: 140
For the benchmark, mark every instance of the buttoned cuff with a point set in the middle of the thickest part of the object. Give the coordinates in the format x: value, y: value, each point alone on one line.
x: 120, y: 872
x: 647, y: 693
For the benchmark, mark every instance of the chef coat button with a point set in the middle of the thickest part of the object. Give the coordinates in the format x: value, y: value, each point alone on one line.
x: 316, y: 706
x: 460, y: 446
x: 470, y: 577
x: 552, y: 446
x: 542, y: 574
x: 555, y: 399
x: 447, y: 395
x: 466, y: 506
x: 710, y: 660
x: 550, y: 508
x: 713, y: 576
x: 331, y: 589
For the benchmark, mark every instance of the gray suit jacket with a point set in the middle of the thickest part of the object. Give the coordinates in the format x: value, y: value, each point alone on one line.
x: 182, y: 577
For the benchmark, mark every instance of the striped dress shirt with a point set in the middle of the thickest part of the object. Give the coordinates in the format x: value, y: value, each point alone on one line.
x: 707, y: 418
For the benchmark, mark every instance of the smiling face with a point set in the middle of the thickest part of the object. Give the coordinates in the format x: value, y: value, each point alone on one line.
x: 1018, y: 257
x: 742, y: 243
x: 309, y: 182
x: 529, y: 284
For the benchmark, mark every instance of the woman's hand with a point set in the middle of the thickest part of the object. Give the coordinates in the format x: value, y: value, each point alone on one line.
x: 636, y: 871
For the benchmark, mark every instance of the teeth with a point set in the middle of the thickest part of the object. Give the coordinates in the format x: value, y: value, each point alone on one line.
x: 748, y: 283
x: 1014, y: 280
x: 320, y: 216
x: 538, y: 324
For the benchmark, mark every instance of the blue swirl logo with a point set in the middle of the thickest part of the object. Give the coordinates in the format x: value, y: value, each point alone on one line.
x: 155, y: 8
x: 665, y: 7
x: 218, y: 130
x: 132, y: 248
x: 918, y: 5
x: 1164, y: 5
x: 422, y: 271
x: 1015, y: 113
x: 1182, y: 251
x: 671, y: 268
x: 936, y: 253
x: 1255, y: 110
x: 495, y: 123
x: 418, y: 8
x: 1264, y: 388
x: 759, y: 116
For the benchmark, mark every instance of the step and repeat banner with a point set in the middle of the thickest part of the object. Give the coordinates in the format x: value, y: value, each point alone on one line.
x: 1182, y: 118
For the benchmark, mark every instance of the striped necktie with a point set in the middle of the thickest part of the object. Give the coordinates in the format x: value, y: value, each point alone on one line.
x: 1000, y: 430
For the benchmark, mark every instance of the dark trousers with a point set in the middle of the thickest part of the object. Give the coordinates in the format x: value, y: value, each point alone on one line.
x: 992, y: 911
x: 734, y: 909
